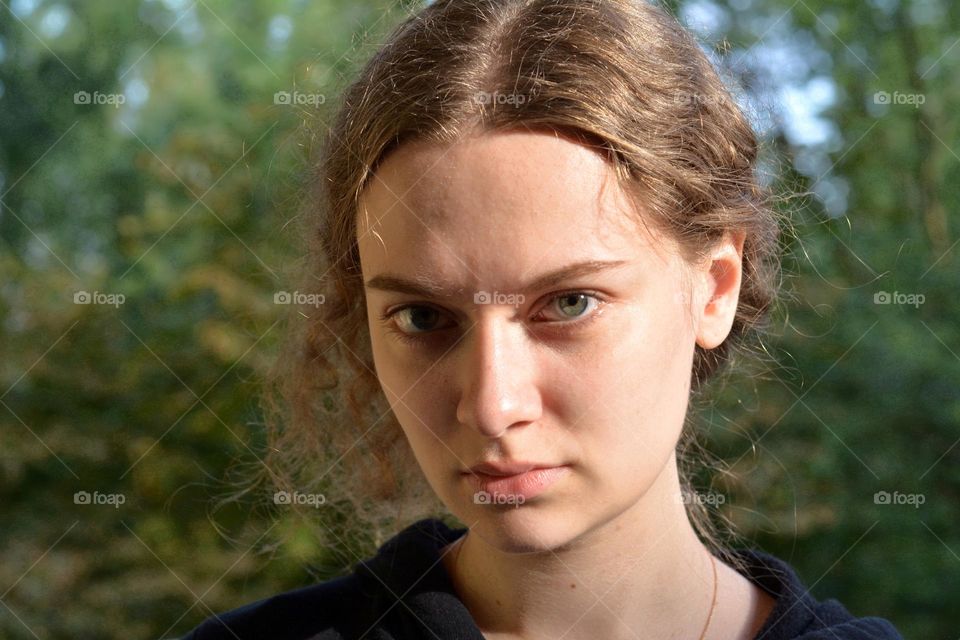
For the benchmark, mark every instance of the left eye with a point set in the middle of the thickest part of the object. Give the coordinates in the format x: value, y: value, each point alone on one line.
x: 572, y: 305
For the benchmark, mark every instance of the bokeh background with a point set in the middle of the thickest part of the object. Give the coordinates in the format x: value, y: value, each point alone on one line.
x: 151, y: 159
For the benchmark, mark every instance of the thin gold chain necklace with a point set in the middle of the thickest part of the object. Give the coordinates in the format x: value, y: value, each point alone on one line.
x: 713, y: 563
x: 713, y: 603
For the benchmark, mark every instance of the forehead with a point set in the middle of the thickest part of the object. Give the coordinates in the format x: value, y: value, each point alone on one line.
x: 496, y: 199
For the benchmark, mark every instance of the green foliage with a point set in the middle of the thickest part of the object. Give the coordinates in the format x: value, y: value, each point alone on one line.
x: 863, y: 396
x: 174, y: 200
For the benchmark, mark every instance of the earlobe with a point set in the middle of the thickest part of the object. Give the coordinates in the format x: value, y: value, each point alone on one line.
x: 720, y: 279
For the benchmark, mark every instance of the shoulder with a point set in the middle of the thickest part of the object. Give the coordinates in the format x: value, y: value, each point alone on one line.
x: 389, y: 596
x: 797, y: 615
x: 316, y: 611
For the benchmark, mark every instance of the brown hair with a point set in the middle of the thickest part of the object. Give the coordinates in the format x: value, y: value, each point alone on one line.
x: 622, y: 76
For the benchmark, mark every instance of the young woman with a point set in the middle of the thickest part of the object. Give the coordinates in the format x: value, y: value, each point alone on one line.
x: 540, y: 234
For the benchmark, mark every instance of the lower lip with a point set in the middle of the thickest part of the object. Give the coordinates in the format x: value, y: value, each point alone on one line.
x: 525, y: 485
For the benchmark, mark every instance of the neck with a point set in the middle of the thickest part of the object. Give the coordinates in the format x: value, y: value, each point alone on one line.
x: 645, y: 569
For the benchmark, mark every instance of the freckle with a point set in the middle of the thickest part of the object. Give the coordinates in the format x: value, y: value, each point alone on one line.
x: 573, y: 586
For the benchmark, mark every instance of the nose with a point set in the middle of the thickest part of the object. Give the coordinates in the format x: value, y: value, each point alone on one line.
x: 497, y: 375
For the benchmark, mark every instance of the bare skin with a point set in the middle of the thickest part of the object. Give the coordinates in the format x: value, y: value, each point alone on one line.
x: 598, y: 382
x: 740, y: 611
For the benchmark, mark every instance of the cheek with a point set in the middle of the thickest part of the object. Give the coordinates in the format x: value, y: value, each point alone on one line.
x: 422, y: 417
x: 394, y: 367
x: 429, y: 430
x: 636, y: 393
x: 414, y: 395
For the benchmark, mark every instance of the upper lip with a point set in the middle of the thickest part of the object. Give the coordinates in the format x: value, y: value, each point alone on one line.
x: 507, y: 468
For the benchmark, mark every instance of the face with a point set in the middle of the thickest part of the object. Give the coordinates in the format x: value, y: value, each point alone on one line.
x: 517, y: 312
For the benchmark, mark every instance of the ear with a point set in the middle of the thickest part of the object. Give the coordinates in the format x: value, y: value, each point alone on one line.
x: 718, y: 283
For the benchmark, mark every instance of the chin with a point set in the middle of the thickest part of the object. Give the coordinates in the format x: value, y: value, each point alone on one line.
x: 529, y: 528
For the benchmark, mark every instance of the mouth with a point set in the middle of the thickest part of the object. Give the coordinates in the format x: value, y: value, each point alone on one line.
x: 514, y: 488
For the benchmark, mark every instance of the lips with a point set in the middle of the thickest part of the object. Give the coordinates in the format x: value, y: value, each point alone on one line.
x: 507, y: 468
x: 524, y: 482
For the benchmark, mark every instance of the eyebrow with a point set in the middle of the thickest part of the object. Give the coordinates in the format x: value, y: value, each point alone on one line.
x: 427, y: 288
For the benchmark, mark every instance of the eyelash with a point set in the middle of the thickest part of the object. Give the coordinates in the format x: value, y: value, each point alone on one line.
x: 425, y: 336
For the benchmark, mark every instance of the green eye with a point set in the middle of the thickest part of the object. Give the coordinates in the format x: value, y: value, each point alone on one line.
x: 573, y: 305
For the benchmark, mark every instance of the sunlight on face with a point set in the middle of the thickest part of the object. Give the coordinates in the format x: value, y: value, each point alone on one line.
x: 482, y: 356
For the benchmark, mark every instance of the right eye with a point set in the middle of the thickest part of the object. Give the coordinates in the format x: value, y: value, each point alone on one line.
x: 413, y: 322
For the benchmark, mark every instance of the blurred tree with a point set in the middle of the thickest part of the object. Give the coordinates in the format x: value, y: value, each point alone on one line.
x: 863, y: 399
x: 148, y: 164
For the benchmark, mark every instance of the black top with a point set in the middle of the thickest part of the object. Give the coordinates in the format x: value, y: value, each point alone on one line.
x: 404, y: 592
